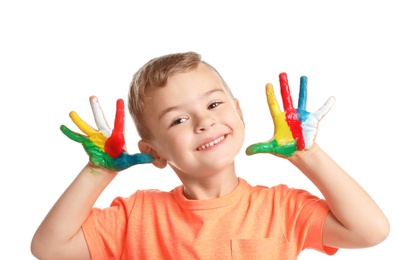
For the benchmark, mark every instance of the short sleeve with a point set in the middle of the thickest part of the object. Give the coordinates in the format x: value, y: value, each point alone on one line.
x: 105, y: 229
x: 307, y: 214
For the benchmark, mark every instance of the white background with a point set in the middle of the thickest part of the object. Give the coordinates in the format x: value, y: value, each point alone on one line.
x: 55, y: 54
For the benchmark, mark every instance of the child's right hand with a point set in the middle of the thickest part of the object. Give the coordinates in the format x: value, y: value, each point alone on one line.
x: 105, y: 147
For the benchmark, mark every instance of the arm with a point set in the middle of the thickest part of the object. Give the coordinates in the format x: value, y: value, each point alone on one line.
x: 354, y: 220
x: 60, y: 235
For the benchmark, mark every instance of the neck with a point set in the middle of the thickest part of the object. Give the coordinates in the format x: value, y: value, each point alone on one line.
x: 211, y: 187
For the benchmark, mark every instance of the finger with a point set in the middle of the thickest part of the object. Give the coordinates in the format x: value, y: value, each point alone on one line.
x: 125, y: 160
x: 82, y: 125
x: 302, y: 102
x: 271, y: 100
x: 267, y: 147
x: 114, y: 146
x: 285, y: 92
x: 96, y: 140
x: 72, y: 135
x: 273, y: 147
x: 119, y: 118
x: 99, y: 116
x: 321, y: 112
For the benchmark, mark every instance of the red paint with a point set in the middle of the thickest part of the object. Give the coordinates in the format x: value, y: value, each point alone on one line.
x: 285, y: 92
x: 291, y: 115
x: 114, y: 145
x: 295, y: 127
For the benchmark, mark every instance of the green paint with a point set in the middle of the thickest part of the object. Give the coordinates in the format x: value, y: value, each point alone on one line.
x: 286, y: 150
x: 100, y: 158
x: 97, y: 156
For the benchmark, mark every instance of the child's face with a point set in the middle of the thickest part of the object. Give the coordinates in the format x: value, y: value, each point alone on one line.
x: 197, y: 126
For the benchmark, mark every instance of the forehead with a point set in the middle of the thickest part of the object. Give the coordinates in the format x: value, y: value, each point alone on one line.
x: 200, y: 79
x: 202, y: 74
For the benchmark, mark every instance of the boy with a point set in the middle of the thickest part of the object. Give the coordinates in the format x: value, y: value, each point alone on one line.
x: 188, y: 119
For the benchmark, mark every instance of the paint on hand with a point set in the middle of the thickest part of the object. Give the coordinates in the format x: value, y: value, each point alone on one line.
x: 294, y: 129
x: 105, y: 147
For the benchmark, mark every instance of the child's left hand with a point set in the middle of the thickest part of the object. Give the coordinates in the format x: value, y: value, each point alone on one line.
x: 294, y: 129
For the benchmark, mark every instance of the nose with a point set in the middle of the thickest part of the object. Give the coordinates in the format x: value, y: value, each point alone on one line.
x: 203, y: 123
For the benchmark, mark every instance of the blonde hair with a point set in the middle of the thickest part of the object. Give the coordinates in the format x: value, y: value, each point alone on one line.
x: 154, y: 74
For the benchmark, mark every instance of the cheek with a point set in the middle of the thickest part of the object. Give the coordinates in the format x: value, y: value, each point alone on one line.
x: 181, y: 141
x: 234, y: 119
x: 239, y: 128
x: 175, y: 142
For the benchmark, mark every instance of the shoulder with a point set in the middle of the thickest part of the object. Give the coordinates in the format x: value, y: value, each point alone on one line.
x: 281, y: 192
x: 146, y: 196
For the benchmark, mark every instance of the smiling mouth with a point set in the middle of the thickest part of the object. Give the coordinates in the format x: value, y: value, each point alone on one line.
x: 209, y: 144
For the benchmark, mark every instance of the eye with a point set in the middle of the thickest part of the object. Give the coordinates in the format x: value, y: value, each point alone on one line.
x: 214, y: 104
x: 179, y: 121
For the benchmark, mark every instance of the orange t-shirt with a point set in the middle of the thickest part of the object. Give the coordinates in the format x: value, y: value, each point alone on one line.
x: 249, y: 223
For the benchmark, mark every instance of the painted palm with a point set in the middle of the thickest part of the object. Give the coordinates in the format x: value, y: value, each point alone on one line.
x: 295, y: 129
x: 105, y: 147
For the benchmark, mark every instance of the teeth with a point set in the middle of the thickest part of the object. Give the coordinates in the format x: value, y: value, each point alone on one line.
x: 214, y: 142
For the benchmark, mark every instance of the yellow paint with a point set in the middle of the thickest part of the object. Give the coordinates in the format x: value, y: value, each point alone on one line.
x: 282, y: 133
x: 93, y: 135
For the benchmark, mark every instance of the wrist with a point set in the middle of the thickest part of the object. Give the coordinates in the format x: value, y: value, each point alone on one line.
x: 304, y: 155
x: 98, y: 170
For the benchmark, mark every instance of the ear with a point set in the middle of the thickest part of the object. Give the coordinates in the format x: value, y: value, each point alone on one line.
x: 146, y: 147
x: 238, y: 109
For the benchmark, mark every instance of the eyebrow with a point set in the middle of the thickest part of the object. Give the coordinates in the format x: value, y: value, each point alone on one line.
x: 208, y: 93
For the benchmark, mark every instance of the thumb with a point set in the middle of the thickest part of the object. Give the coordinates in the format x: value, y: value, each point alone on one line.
x: 125, y: 160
